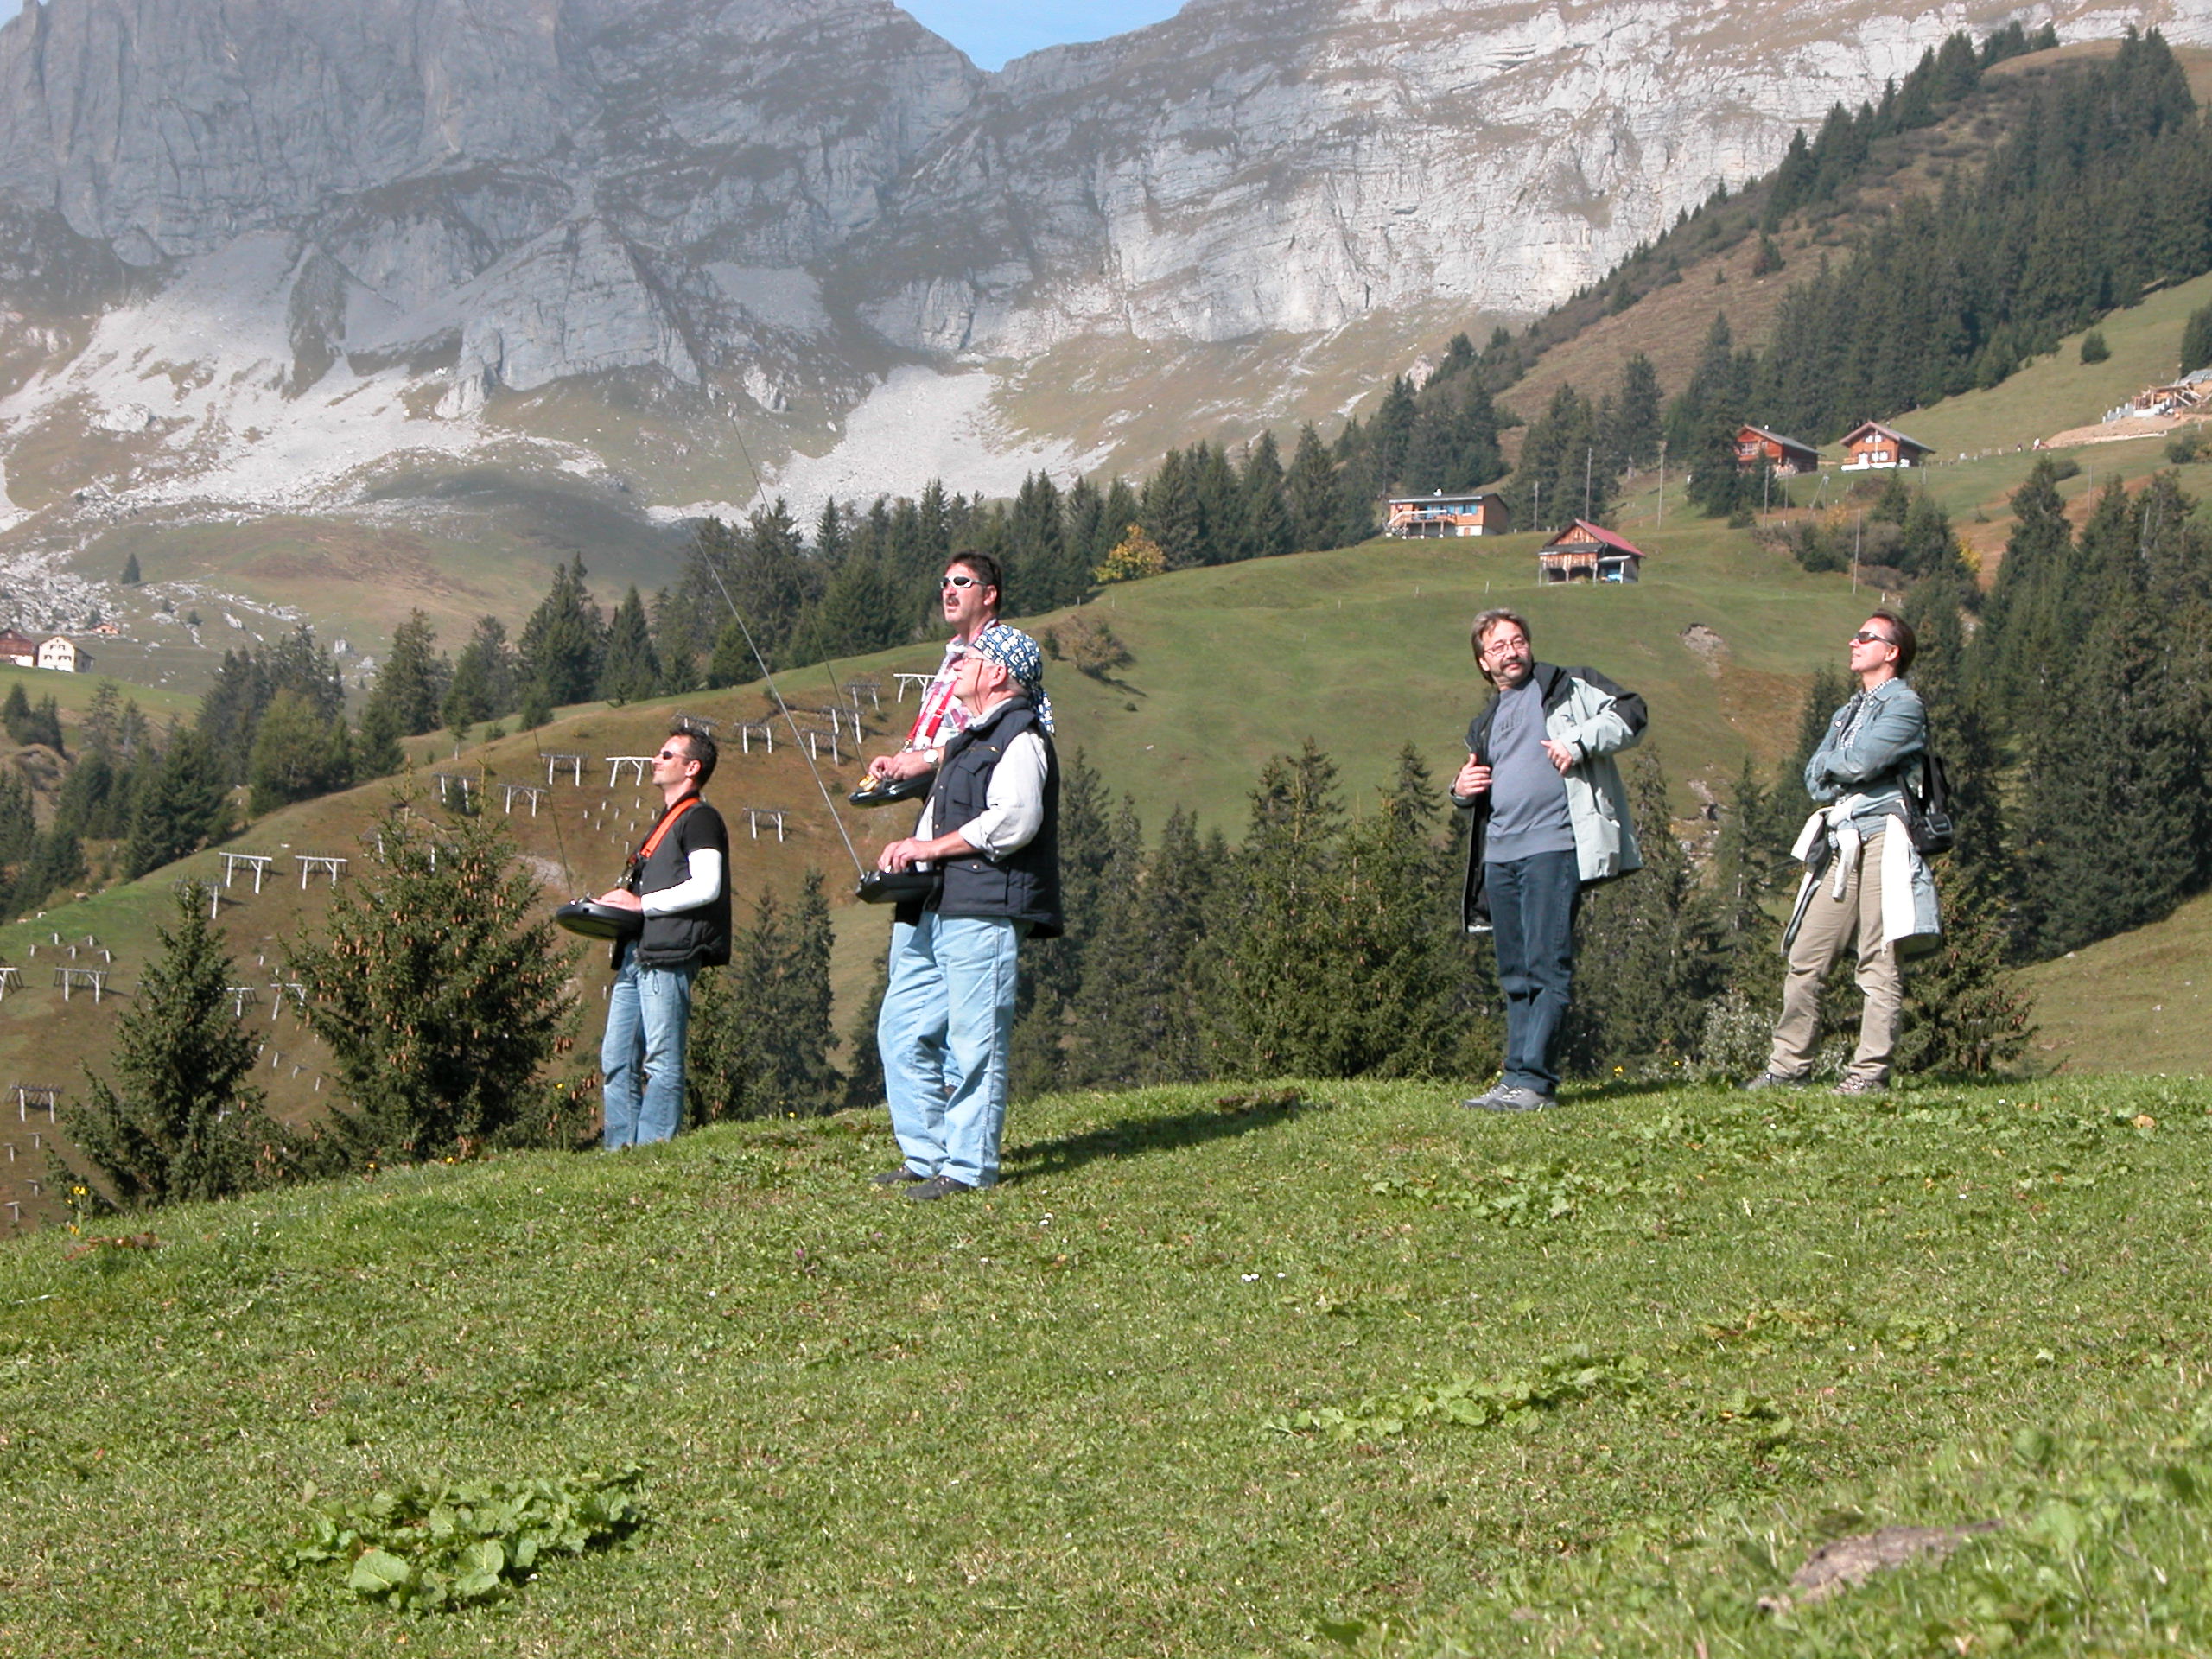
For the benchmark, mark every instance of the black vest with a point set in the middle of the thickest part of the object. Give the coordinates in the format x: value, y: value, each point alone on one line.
x: 1025, y: 884
x: 698, y: 937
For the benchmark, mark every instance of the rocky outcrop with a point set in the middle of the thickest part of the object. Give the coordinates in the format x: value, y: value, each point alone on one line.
x: 772, y: 203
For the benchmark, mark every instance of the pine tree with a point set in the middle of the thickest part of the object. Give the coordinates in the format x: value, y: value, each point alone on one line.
x: 1276, y: 980
x: 1398, y: 899
x: 1311, y: 485
x: 1648, y: 957
x: 1052, y: 969
x: 182, y: 805
x: 297, y: 754
x: 629, y: 671
x: 1390, y: 434
x: 181, y: 1121
x: 1967, y: 1013
x: 438, y: 994
x: 563, y: 640
x: 2197, y: 340
x: 15, y: 715
x: 1111, y: 1032
x: 131, y: 576
x: 1635, y: 436
x: 761, y: 1030
x: 1173, y: 514
x: 410, y: 682
x: 1038, y: 568
x: 1268, y: 529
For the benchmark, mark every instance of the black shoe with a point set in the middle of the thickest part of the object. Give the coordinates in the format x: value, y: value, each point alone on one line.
x: 901, y: 1176
x: 938, y: 1186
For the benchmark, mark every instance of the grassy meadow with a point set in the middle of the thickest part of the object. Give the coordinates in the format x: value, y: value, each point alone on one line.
x: 1215, y: 1371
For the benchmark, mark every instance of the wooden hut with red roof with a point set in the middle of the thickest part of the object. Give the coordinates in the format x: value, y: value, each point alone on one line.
x: 1587, y: 552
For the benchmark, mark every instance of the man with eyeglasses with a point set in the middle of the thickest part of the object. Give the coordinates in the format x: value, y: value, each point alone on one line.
x: 992, y: 826
x: 678, y: 883
x: 1551, y: 819
x: 1864, y: 881
x: 968, y: 592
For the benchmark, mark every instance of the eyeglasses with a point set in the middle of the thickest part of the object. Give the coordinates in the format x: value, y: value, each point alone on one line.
x: 1863, y: 637
x: 1504, y: 647
x: 958, y: 582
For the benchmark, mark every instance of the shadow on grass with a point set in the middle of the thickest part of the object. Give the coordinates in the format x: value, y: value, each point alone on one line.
x: 1229, y: 1115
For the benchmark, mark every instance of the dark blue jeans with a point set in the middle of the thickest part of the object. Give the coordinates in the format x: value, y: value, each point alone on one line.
x: 1532, y: 905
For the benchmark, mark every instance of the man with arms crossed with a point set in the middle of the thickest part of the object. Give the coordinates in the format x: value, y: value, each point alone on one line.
x: 992, y: 823
x: 1863, y: 882
x: 1550, y: 818
x: 969, y: 591
x: 678, y: 879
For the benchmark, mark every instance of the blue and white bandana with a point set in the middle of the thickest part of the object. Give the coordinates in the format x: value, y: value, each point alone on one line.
x: 1016, y: 652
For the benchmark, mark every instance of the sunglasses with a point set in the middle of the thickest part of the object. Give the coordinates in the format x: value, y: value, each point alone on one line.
x: 1863, y: 637
x: 958, y: 582
x: 672, y: 754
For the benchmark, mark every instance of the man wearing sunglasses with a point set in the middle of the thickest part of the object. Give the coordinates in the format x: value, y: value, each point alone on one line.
x: 969, y: 593
x: 678, y: 883
x: 1862, y: 883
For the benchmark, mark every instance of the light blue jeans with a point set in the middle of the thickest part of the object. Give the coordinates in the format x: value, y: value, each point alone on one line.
x: 648, y: 1014
x: 947, y: 1022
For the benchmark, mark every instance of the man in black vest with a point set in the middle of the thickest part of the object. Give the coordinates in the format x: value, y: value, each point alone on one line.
x: 992, y: 825
x: 678, y: 879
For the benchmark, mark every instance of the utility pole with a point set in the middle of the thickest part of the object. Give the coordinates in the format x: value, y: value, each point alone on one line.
x: 1588, y: 452
x: 1662, y: 483
x: 1858, y: 518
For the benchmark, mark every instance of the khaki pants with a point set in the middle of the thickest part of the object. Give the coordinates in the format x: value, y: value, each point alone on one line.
x: 1830, y: 923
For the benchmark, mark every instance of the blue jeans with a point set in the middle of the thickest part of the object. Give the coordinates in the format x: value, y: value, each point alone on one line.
x: 947, y: 1022
x: 648, y: 1014
x: 1532, y: 905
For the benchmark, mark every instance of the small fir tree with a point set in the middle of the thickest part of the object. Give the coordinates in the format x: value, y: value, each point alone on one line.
x: 439, y: 996
x: 181, y: 1121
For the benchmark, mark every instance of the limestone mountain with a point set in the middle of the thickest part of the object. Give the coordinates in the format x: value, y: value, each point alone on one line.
x: 283, y: 255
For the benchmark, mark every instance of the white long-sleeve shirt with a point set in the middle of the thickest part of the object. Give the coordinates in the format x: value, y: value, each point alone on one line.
x: 1014, y: 806
x: 702, y: 885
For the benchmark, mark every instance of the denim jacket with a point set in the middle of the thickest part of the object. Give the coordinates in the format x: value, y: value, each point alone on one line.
x: 1871, y: 744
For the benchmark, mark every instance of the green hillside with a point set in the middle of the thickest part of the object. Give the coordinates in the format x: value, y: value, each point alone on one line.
x: 2141, y: 1001
x: 1213, y: 1374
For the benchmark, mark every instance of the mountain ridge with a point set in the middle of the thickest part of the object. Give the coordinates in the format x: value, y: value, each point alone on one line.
x: 255, y: 259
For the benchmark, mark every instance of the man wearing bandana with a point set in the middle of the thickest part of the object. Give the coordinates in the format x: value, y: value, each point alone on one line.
x: 991, y: 824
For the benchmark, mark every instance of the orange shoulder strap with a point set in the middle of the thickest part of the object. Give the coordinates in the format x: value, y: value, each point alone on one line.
x: 667, y: 823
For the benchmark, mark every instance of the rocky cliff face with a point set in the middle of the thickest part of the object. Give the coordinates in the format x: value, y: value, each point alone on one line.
x: 350, y: 232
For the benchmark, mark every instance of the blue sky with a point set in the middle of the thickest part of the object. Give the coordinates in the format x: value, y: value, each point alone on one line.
x: 991, y: 31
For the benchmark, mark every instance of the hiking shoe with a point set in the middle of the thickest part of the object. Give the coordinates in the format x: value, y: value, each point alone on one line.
x: 1770, y: 1078
x: 1487, y: 1101
x: 1863, y: 1086
x: 1514, y: 1099
x: 901, y: 1176
x: 938, y: 1186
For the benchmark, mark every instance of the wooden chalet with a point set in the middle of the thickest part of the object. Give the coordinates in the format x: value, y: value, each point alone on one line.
x: 1482, y: 512
x: 1788, y: 456
x: 19, y: 649
x: 1873, y: 446
x: 1587, y: 552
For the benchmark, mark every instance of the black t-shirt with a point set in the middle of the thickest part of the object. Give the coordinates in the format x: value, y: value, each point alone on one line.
x: 698, y: 937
